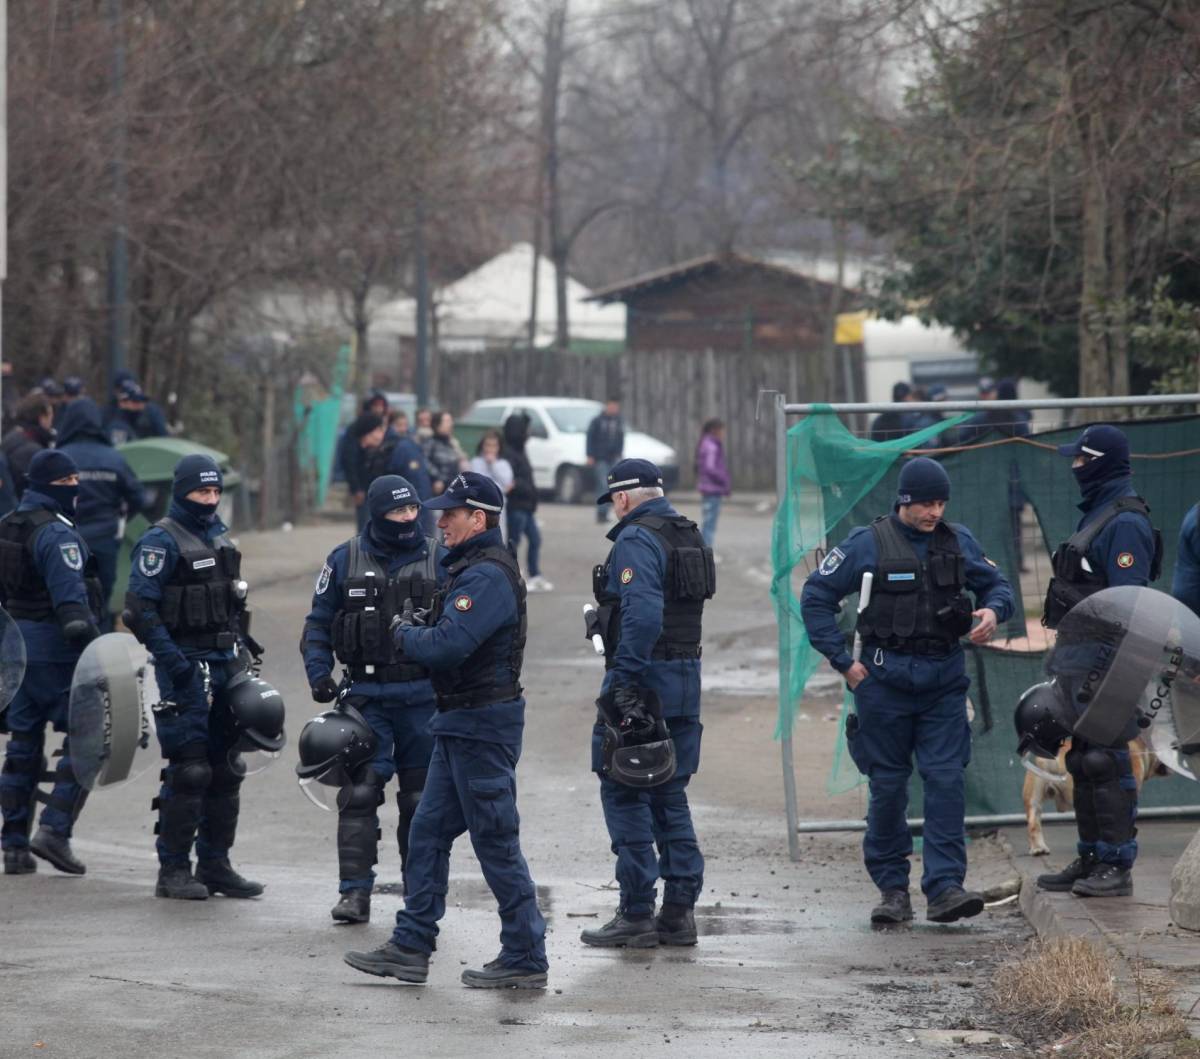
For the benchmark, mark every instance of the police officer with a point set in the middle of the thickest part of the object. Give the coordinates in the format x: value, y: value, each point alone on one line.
x: 1185, y: 578
x: 364, y: 584
x: 108, y: 489
x: 1114, y: 544
x: 474, y: 641
x: 185, y: 603
x: 910, y: 688
x: 650, y: 594
x: 48, y: 581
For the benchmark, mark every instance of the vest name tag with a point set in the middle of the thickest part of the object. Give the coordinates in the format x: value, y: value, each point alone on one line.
x: 204, y: 564
x: 357, y: 593
x: 901, y: 577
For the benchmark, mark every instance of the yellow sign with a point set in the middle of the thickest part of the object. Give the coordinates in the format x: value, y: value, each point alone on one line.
x: 849, y: 329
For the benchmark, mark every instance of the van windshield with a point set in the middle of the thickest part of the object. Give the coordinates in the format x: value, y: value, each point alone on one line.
x: 574, y: 418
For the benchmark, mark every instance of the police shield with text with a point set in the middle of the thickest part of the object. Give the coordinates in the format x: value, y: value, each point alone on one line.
x: 364, y: 584
x: 474, y: 643
x: 910, y: 686
x: 1114, y: 544
x: 650, y: 595
x: 49, y: 584
x: 186, y: 603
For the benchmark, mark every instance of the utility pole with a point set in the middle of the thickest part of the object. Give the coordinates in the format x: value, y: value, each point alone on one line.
x: 118, y: 266
x: 422, y: 263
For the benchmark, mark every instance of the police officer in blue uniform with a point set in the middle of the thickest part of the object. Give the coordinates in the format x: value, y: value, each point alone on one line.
x: 363, y: 585
x: 186, y: 605
x: 1185, y: 578
x: 474, y: 642
x: 108, y: 489
x: 910, y: 689
x: 49, y: 586
x: 650, y: 594
x: 1115, y: 543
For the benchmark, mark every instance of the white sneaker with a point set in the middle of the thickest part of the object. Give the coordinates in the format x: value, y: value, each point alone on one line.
x: 538, y: 584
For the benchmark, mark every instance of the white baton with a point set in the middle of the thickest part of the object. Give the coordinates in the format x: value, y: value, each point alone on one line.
x: 864, y: 600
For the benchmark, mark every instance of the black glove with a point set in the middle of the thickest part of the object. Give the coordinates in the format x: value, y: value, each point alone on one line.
x: 635, y: 717
x: 80, y: 633
x: 408, y: 618
x: 325, y: 690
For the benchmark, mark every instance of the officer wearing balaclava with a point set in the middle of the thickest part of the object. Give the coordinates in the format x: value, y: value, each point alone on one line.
x: 1114, y: 544
x: 364, y: 583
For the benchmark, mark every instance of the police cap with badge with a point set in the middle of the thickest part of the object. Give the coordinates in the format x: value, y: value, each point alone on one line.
x: 469, y: 490
x: 630, y: 474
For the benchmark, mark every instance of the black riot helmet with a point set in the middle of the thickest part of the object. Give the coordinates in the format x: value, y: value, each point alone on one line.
x: 1043, y: 720
x: 257, y: 711
x: 640, y: 755
x: 332, y: 747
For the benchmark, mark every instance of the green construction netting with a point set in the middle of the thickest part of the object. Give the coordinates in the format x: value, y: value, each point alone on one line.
x: 318, y: 427
x: 837, y: 481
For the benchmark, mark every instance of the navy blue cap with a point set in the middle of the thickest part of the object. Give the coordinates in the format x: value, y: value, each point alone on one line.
x: 50, y: 387
x: 72, y: 386
x: 922, y: 480
x: 1098, y: 440
x: 388, y: 492
x: 195, y: 472
x: 630, y: 474
x: 49, y: 465
x: 129, y: 390
x: 469, y: 490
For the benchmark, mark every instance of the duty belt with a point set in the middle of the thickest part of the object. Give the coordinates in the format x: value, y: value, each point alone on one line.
x: 400, y: 673
x: 473, y: 700
x: 206, y: 641
x: 670, y: 652
x: 929, y: 648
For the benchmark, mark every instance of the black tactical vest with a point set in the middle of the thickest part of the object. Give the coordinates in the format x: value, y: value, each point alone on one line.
x: 916, y: 607
x: 1070, y: 581
x: 691, y: 579
x: 200, y: 607
x: 26, y: 594
x: 492, y: 672
x: 369, y: 600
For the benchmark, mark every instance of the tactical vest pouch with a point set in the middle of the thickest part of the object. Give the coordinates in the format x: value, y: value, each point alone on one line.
x: 947, y: 570
x: 599, y: 580
x: 1061, y: 596
x: 692, y: 574
x: 14, y: 565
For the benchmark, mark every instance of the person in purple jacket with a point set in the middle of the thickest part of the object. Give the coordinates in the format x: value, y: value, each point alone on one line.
x: 712, y: 477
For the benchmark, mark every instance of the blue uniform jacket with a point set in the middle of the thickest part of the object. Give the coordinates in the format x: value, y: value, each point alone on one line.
x: 60, y: 554
x: 318, y: 646
x: 1124, y: 550
x: 840, y: 575
x: 107, y: 485
x: 408, y: 461
x: 479, y: 602
x: 637, y: 568
x: 1185, y: 583
x: 148, y: 575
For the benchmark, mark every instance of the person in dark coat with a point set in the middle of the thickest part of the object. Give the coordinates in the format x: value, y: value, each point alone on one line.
x: 34, y: 431
x: 522, y: 501
x: 895, y: 424
x: 605, y: 446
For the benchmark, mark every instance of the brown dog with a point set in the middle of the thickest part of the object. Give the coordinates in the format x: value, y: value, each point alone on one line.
x: 1037, y: 788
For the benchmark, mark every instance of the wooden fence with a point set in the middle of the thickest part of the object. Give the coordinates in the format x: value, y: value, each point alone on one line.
x: 668, y: 395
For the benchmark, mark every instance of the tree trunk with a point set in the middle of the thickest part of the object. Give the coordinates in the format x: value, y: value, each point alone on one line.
x: 1094, y: 370
x: 1118, y: 279
x: 560, y: 249
x: 266, y: 475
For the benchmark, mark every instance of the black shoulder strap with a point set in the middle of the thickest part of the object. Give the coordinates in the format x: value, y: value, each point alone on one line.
x: 187, y: 542
x: 35, y: 519
x: 890, y: 542
x: 1082, y: 539
x: 945, y: 539
x: 431, y: 559
x: 358, y: 562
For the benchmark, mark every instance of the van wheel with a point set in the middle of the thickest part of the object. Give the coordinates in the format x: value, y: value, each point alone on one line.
x: 568, y: 485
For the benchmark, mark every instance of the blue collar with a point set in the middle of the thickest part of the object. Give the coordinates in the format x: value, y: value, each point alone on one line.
x: 660, y: 505
x: 1107, y: 493
x: 32, y: 500
x: 487, y: 539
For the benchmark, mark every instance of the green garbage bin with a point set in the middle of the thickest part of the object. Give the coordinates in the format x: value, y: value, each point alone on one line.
x: 153, y: 460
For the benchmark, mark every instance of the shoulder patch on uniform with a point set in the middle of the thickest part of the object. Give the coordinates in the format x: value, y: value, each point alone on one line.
x: 151, y: 560
x: 414, y: 465
x: 1125, y: 560
x: 832, y: 561
x: 71, y: 556
x: 323, y: 578
x: 463, y: 603
x: 627, y: 575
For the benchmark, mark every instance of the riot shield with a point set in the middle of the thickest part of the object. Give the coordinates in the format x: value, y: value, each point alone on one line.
x: 110, y: 723
x: 12, y: 658
x: 1112, y: 647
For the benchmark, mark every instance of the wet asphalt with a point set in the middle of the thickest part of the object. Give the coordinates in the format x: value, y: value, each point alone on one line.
x: 786, y: 964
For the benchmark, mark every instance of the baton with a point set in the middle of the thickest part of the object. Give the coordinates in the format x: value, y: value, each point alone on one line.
x: 597, y: 640
x: 864, y: 600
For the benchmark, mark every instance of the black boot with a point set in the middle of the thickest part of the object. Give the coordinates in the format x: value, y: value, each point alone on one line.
x: 623, y: 932
x: 496, y: 975
x: 176, y: 881
x: 220, y: 878
x: 954, y: 903
x: 895, y: 906
x: 676, y: 925
x: 56, y: 849
x: 354, y: 906
x: 392, y: 961
x: 1062, y: 881
x: 1105, y: 880
x: 19, y: 862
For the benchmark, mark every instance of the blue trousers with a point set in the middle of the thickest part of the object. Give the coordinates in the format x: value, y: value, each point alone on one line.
x: 42, y: 699
x: 651, y: 829
x: 525, y: 523
x: 710, y: 511
x: 471, y: 786
x: 911, y: 706
x: 106, y: 551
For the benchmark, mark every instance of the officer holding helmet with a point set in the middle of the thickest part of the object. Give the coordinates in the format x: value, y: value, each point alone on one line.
x: 363, y: 585
x: 50, y: 585
x: 910, y: 688
x: 186, y: 604
x: 474, y: 642
x: 1114, y: 544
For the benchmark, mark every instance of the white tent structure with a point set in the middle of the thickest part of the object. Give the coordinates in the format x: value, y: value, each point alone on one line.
x: 490, y: 307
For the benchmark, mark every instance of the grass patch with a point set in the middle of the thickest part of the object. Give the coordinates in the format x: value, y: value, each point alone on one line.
x: 1066, y: 991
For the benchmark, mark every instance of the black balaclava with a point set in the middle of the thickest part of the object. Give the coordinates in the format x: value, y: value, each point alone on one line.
x: 47, y: 466
x: 191, y: 473
x: 388, y: 492
x: 1111, y: 465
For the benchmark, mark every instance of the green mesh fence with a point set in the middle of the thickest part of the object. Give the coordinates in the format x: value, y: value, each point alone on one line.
x: 837, y: 481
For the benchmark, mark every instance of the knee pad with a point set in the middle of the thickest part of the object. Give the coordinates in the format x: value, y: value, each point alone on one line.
x: 363, y: 796
x: 407, y: 802
x: 24, y: 754
x: 226, y: 780
x: 1099, y: 766
x: 412, y: 779
x: 191, y: 776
